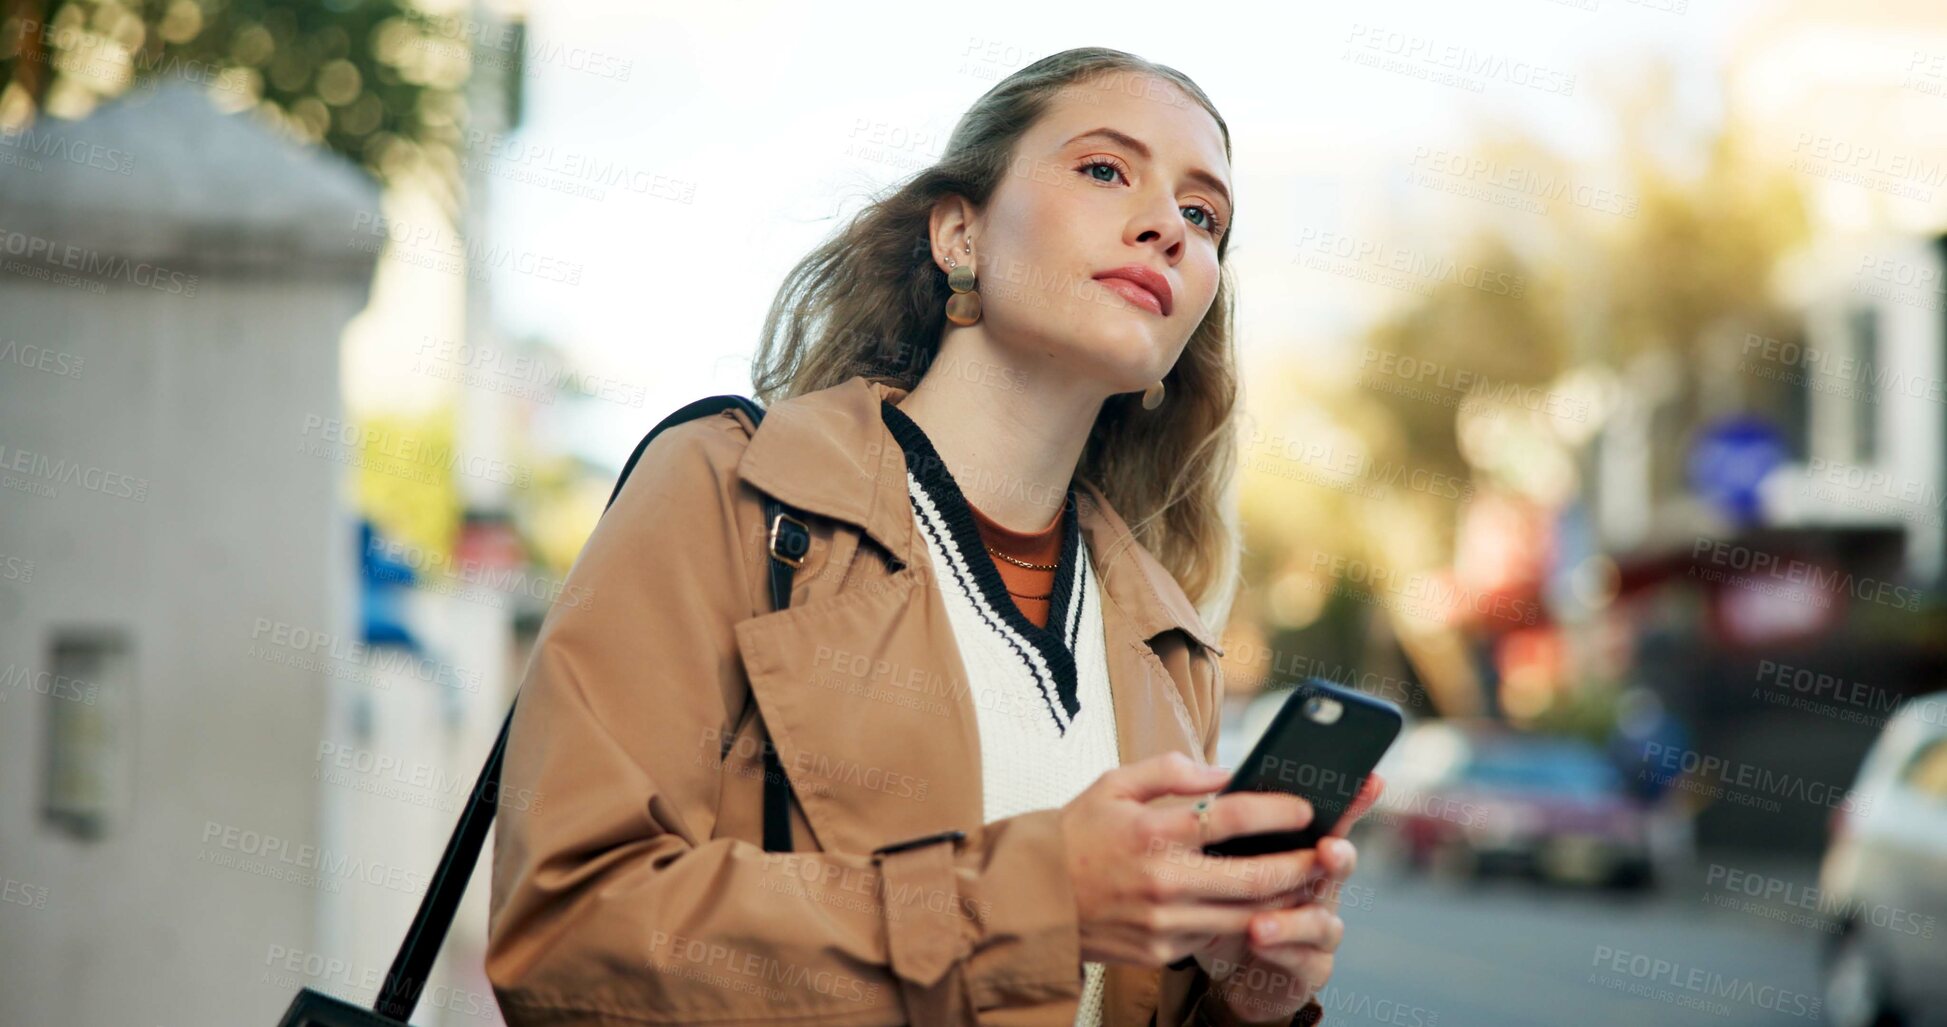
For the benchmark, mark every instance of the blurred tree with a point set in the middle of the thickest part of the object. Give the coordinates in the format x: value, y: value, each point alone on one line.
x: 1675, y: 256
x: 376, y: 80
x: 1695, y: 259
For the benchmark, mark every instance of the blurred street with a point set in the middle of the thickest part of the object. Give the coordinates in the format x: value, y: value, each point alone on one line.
x: 1562, y: 386
x: 1438, y: 953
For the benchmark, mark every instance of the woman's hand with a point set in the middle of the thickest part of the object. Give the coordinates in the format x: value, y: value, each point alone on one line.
x: 1266, y: 975
x: 1144, y: 891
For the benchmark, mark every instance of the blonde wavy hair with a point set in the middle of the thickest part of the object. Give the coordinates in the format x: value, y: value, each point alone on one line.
x: 870, y: 301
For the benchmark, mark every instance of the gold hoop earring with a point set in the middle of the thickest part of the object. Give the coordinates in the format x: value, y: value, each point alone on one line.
x: 963, y: 307
x: 1153, y: 396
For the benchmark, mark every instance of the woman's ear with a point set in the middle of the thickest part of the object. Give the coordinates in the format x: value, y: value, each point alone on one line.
x: 953, y: 223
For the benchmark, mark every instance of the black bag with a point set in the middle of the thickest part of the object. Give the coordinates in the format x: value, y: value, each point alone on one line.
x: 789, y: 541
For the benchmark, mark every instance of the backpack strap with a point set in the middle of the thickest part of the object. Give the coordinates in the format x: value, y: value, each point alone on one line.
x: 789, y: 540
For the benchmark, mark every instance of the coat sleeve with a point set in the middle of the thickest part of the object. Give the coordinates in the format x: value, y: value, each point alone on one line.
x: 612, y: 901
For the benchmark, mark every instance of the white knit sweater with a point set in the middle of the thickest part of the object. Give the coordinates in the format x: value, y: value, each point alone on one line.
x: 1040, y: 694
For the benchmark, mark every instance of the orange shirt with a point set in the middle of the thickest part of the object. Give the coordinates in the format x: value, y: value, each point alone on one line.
x: 1041, y: 547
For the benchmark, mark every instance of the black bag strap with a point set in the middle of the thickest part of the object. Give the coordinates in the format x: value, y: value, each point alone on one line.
x: 788, y: 541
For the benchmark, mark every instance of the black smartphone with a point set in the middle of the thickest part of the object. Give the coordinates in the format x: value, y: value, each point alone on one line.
x: 1321, y: 747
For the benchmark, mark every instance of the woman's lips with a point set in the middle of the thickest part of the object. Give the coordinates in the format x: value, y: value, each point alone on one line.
x: 1134, y: 293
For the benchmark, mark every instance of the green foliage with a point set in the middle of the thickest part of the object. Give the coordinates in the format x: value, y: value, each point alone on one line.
x: 376, y: 80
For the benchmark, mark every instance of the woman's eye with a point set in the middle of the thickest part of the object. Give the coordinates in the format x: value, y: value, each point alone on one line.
x: 1091, y: 166
x: 1211, y: 222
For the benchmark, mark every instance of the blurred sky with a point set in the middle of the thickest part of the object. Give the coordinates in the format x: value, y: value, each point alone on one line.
x: 763, y: 106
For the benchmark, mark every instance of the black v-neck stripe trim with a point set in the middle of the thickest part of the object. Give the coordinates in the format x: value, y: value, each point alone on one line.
x: 1081, y: 599
x: 926, y: 511
x: 1052, y: 641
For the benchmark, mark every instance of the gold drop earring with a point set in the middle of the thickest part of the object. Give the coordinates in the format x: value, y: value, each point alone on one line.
x: 963, y: 307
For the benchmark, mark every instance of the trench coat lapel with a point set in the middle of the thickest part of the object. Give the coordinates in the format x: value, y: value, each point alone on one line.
x: 863, y: 692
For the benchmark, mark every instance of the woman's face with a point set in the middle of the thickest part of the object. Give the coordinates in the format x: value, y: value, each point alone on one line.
x: 1123, y: 172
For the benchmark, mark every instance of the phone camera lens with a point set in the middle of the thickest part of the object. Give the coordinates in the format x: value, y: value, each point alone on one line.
x: 1322, y: 710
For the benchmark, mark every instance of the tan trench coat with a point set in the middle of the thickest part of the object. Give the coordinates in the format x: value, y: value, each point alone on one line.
x: 636, y: 889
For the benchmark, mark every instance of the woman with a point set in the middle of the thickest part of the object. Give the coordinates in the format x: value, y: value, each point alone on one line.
x: 990, y: 696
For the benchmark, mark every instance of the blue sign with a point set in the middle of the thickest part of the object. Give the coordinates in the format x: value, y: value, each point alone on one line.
x: 384, y: 585
x: 1729, y: 457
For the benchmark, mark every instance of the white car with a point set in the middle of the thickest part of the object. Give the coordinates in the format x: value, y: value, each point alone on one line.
x: 1884, y: 878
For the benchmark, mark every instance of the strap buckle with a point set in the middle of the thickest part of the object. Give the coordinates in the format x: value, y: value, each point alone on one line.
x: 790, y: 540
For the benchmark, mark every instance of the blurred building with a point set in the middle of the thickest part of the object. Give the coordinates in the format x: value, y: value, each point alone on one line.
x: 183, y: 604
x: 1775, y: 518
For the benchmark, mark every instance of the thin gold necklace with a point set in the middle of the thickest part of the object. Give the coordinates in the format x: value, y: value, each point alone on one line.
x: 1021, y: 563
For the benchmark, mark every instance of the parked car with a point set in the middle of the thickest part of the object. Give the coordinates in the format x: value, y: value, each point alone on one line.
x: 1884, y: 878
x: 1477, y: 799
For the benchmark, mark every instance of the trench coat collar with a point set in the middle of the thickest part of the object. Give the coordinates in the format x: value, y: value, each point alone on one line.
x: 823, y: 452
